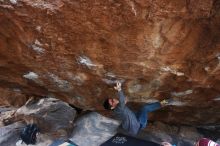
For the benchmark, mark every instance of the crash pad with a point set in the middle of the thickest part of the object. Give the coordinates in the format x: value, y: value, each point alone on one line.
x: 125, y: 140
x: 63, y: 143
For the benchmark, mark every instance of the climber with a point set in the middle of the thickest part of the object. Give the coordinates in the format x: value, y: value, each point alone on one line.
x: 131, y: 122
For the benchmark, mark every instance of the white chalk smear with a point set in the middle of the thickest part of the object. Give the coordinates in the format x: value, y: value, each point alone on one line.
x: 151, y: 100
x: 17, y: 90
x: 218, y: 56
x: 173, y: 71
x: 217, y: 99
x: 109, y: 74
x: 133, y: 8
x: 13, y: 1
x: 157, y: 41
x: 52, y: 6
x: 37, y: 47
x: 63, y: 84
x: 85, y: 61
x: 38, y: 28
x: 207, y: 68
x: 177, y: 103
x: 31, y: 76
x: 37, y: 43
x: 187, y: 92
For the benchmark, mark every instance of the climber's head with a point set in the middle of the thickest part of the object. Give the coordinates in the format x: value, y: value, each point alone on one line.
x: 110, y: 103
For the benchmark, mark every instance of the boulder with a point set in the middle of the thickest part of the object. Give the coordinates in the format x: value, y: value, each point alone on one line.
x: 75, y: 50
x: 10, y: 134
x: 6, y: 115
x: 52, y: 116
x: 189, y: 133
x: 93, y: 129
x: 159, y: 132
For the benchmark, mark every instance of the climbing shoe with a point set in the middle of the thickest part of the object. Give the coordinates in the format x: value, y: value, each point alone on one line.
x: 166, y: 101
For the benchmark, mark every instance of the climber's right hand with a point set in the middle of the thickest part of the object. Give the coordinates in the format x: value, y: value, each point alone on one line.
x: 118, y: 86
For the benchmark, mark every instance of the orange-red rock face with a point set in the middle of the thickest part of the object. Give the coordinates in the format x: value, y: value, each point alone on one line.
x: 75, y: 50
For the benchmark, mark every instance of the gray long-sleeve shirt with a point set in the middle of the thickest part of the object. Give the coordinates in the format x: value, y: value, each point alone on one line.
x: 127, y: 117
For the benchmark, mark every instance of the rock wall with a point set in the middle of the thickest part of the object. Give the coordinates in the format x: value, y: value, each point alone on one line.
x: 76, y: 49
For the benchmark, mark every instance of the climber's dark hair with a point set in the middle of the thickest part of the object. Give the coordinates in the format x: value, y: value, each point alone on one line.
x: 106, y: 104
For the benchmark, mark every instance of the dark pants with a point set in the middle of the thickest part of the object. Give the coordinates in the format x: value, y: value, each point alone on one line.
x: 142, y: 115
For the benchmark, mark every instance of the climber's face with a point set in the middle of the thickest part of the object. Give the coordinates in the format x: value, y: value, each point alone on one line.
x: 113, y: 102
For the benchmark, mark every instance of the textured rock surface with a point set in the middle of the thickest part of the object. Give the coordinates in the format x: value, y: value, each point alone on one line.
x: 10, y: 134
x: 52, y: 116
x: 93, y: 129
x: 6, y: 115
x: 12, y: 97
x: 75, y: 50
x: 179, y: 135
